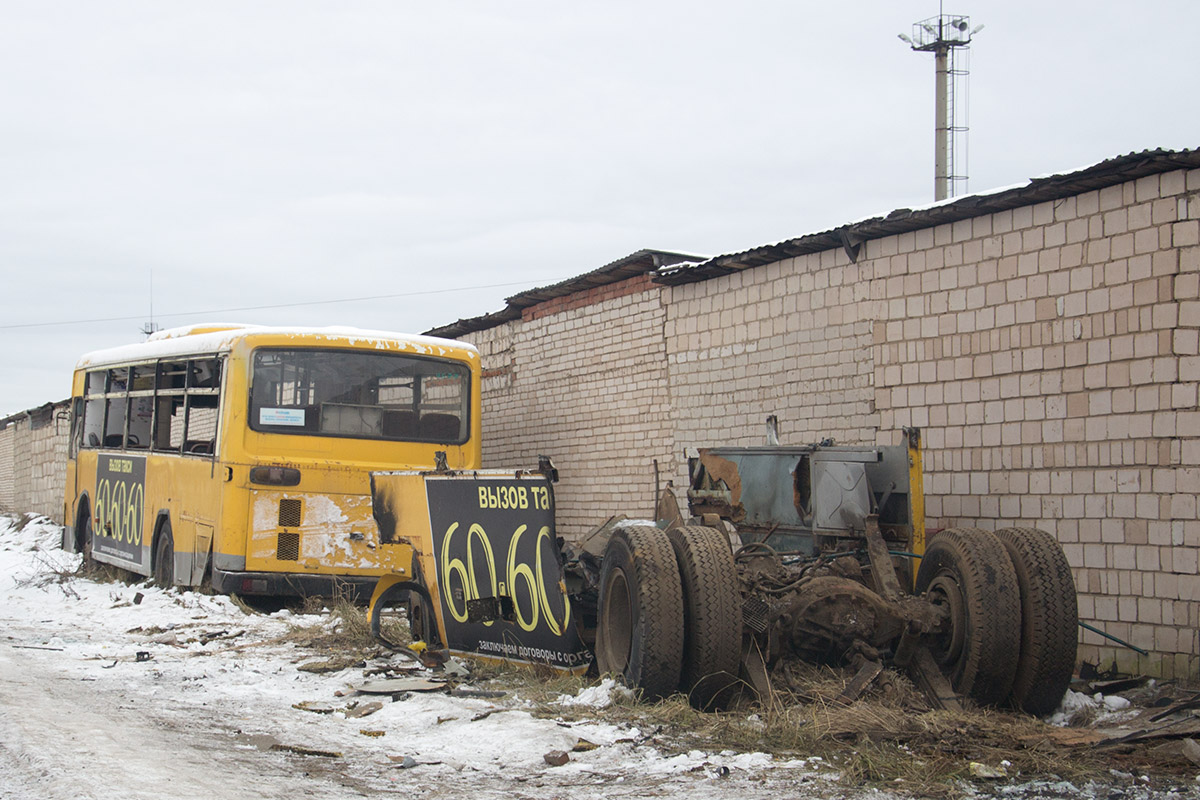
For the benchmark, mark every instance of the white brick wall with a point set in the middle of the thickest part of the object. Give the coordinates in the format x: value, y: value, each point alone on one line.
x: 583, y: 381
x: 33, y: 466
x: 1051, y: 354
x: 7, y: 478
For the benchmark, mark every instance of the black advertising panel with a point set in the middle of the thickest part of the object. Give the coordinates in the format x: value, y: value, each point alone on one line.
x: 498, y: 571
x: 120, y: 506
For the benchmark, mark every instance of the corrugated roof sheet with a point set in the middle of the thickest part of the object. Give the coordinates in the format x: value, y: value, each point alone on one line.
x: 630, y: 266
x: 851, y: 236
x: 673, y: 268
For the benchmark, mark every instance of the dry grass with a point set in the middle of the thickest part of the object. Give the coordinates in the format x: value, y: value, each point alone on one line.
x: 19, y: 521
x: 889, y: 738
x: 106, y: 573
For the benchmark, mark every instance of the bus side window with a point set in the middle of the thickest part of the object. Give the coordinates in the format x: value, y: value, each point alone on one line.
x: 168, y: 423
x: 201, y: 425
x: 114, y: 424
x: 76, y: 426
x: 93, y: 422
x: 93, y: 410
x: 141, y: 409
x: 205, y: 374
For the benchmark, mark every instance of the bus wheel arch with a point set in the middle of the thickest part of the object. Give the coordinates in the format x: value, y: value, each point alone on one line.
x: 396, y: 591
x: 162, y: 553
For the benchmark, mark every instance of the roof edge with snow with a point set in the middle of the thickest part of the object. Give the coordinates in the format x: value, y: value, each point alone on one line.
x: 1107, y: 173
x: 632, y: 265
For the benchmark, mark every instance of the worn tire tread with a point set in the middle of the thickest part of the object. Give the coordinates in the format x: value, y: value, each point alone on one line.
x: 712, y: 630
x: 1049, y: 619
x: 656, y: 655
x: 988, y: 584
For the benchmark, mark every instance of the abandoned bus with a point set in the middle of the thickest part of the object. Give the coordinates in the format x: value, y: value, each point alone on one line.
x: 243, y: 454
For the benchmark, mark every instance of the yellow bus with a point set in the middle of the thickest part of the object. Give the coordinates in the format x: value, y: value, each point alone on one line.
x: 242, y: 454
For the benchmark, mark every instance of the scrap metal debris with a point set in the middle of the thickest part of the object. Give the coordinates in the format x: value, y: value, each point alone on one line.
x: 305, y: 751
x: 1191, y: 750
x: 397, y: 685
x: 487, y: 694
x: 333, y: 664
x: 363, y: 710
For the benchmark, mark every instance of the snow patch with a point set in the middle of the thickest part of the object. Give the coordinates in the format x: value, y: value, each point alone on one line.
x: 1098, y: 708
x: 601, y: 696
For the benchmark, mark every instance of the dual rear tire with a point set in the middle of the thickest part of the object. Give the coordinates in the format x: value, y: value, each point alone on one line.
x: 670, y: 613
x: 1010, y: 634
x: 1049, y: 619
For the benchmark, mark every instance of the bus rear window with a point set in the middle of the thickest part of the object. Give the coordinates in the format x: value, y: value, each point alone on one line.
x: 360, y: 395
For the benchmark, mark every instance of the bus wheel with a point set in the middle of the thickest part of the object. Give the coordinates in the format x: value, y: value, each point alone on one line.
x: 968, y: 572
x: 84, y: 535
x: 420, y: 619
x: 164, y: 558
x: 639, y: 636
x: 1049, y: 619
x: 712, y: 614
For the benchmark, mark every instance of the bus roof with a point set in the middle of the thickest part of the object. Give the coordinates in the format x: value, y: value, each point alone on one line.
x: 220, y: 338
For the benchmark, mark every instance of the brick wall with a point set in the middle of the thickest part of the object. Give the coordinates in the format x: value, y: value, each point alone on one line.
x: 791, y: 338
x: 7, y: 479
x: 582, y: 379
x: 1050, y: 353
x: 33, y: 459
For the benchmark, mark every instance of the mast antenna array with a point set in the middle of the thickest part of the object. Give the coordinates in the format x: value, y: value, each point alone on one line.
x: 948, y: 37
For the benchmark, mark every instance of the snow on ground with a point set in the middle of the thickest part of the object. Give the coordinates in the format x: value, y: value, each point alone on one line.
x: 1104, y: 710
x: 115, y: 690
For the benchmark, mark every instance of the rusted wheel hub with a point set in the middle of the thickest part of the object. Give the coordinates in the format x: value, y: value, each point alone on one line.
x: 829, y: 614
x: 947, y: 645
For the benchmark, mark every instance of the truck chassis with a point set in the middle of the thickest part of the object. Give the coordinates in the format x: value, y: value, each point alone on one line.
x: 815, y: 552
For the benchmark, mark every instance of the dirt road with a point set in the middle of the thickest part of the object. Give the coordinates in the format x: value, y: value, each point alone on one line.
x: 119, y: 728
x: 66, y: 736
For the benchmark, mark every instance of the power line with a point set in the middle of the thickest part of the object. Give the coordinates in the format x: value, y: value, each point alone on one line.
x: 263, y: 308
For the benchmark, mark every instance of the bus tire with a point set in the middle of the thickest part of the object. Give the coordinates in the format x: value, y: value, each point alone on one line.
x: 968, y: 572
x: 639, y: 635
x: 164, y: 557
x: 712, y: 614
x: 84, y: 536
x: 1049, y: 620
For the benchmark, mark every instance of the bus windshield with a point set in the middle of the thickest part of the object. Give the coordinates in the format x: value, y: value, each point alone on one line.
x: 350, y: 393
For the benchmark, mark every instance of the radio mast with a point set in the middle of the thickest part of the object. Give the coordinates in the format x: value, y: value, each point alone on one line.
x: 943, y: 35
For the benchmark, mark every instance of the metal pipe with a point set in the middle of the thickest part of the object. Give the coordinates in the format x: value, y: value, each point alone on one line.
x: 941, y: 156
x: 1133, y: 647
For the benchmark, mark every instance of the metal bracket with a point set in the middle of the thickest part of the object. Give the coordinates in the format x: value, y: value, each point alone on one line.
x: 883, y: 572
x: 933, y: 682
x: 851, y: 244
x: 755, y: 669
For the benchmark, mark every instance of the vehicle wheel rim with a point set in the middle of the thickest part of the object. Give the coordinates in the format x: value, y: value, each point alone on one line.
x: 416, y: 618
x: 618, y: 616
x: 944, y: 591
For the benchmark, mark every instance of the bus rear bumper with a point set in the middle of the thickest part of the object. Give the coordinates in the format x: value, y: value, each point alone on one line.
x: 289, y: 584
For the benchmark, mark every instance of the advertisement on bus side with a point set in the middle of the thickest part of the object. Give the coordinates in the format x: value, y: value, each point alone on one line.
x: 498, y: 571
x: 120, y: 506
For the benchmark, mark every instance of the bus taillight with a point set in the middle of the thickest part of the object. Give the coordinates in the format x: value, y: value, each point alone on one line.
x: 275, y: 476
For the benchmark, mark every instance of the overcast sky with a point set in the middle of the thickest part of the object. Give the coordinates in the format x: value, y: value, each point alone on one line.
x: 443, y: 156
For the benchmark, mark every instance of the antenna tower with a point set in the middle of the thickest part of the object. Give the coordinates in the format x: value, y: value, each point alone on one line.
x: 151, y: 326
x: 948, y: 37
